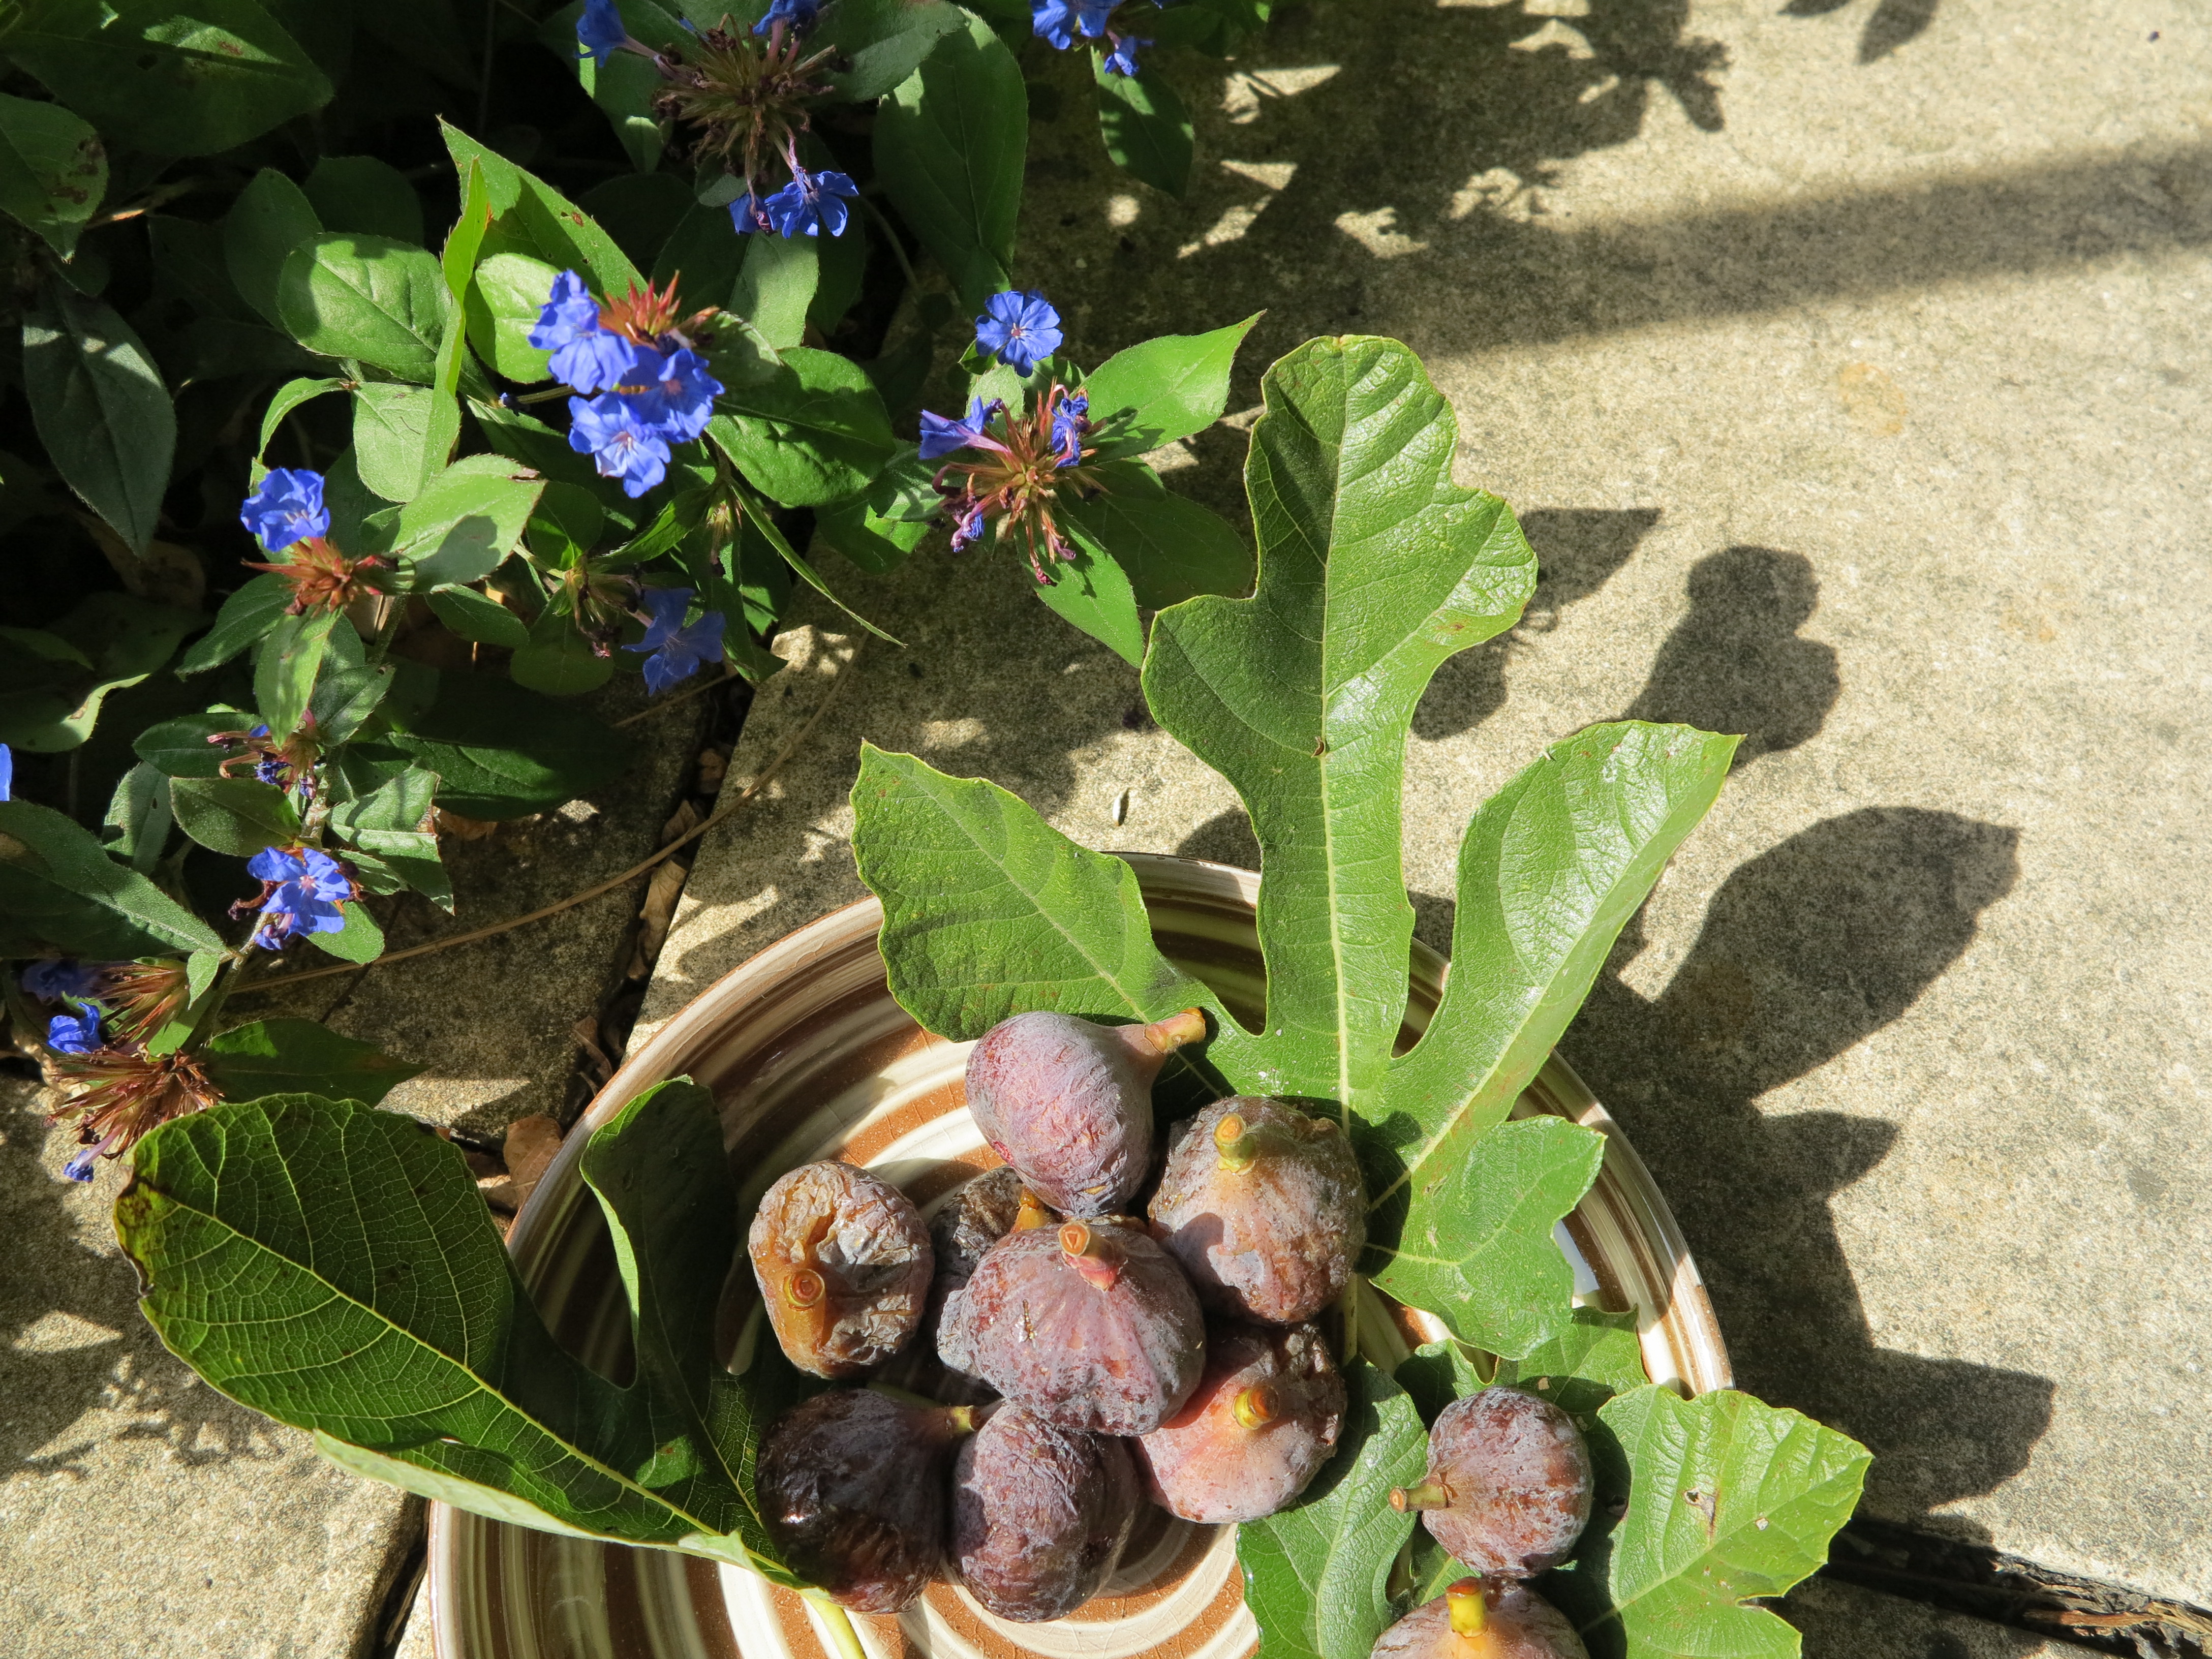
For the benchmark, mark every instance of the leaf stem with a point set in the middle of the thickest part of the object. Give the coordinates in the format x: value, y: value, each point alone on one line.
x: 838, y: 1624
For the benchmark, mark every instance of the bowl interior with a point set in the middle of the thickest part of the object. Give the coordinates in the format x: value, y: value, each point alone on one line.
x: 808, y: 1056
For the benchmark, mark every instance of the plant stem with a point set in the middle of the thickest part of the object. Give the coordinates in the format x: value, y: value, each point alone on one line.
x: 891, y: 235
x: 838, y: 1624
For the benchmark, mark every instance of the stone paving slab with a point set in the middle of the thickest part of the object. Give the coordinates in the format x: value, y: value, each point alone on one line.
x: 1845, y: 373
x: 1842, y: 1621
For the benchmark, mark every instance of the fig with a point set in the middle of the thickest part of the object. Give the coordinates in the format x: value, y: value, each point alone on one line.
x: 963, y: 1232
x: 1264, y: 1208
x: 852, y: 1487
x: 844, y: 1265
x: 1477, y: 1619
x: 1262, y: 1421
x: 1040, y: 1513
x: 1508, y: 1489
x: 1069, y: 1104
x: 1090, y: 1325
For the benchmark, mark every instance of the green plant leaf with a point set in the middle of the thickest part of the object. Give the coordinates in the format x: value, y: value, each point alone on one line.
x: 385, y: 830
x: 284, y: 671
x: 343, y: 700
x: 402, y: 435
x: 557, y: 660
x: 990, y: 911
x: 1374, y: 568
x: 100, y: 408
x: 299, y: 1057
x: 402, y: 1334
x: 237, y: 815
x: 180, y: 748
x: 360, y: 940
x: 624, y: 86
x: 54, y: 680
x: 881, y: 42
x: 875, y: 545
x: 342, y: 294
x: 1550, y: 871
x: 245, y: 618
x: 367, y: 194
x: 949, y: 145
x: 271, y: 216
x: 288, y: 396
x: 1172, y: 548
x: 53, y: 170
x: 812, y: 432
x: 139, y: 812
x: 473, y: 616
x: 1316, y: 1576
x: 61, y: 895
x: 465, y: 521
x: 1160, y: 390
x: 169, y: 79
x: 1727, y: 1499
x: 501, y: 752
x: 1146, y: 130
x: 501, y: 305
x: 1092, y: 592
x: 773, y: 291
x: 530, y: 217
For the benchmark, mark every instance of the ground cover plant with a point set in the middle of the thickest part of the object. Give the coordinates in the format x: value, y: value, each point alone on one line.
x: 264, y: 1270
x: 351, y: 452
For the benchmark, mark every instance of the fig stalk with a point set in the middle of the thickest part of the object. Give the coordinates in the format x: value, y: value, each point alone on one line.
x: 1470, y: 1616
x: 1238, y: 1146
x: 1032, y: 1214
x: 1256, y: 1407
x: 1428, y: 1495
x: 1091, y: 1254
x: 1165, y: 1036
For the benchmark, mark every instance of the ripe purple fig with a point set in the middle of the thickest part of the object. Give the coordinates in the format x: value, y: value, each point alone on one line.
x: 1069, y: 1104
x: 1477, y: 1619
x: 1090, y: 1326
x: 1039, y: 1514
x: 1264, y: 1208
x: 852, y: 1486
x: 1507, y: 1490
x: 987, y: 1209
x: 1262, y: 1421
x: 844, y: 1265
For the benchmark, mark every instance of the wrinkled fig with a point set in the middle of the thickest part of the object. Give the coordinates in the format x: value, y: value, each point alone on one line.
x: 1069, y: 1104
x: 1264, y: 1208
x: 1262, y: 1421
x: 1508, y: 1490
x: 1090, y: 1325
x: 1482, y: 1619
x: 852, y: 1486
x: 844, y: 1266
x: 1039, y: 1514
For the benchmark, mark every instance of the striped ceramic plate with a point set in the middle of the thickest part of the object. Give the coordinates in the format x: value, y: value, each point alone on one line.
x: 810, y: 1058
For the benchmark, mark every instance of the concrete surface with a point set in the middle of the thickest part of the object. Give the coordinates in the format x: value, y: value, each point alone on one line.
x: 1845, y: 368
x: 1842, y: 1621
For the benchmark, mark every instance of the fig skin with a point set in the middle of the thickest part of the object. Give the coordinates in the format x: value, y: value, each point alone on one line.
x: 1105, y: 1336
x: 965, y: 1227
x: 852, y: 1486
x: 1068, y: 1103
x: 1040, y: 1514
x: 1517, y: 1624
x: 1263, y: 1420
x: 1266, y: 1223
x: 1509, y: 1487
x: 843, y: 1263
x: 975, y: 1219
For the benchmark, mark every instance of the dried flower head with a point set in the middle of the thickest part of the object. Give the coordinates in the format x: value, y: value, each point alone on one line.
x: 117, y: 1097
x: 322, y: 578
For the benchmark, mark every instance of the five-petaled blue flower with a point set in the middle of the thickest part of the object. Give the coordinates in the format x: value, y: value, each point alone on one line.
x: 599, y: 31
x: 1021, y: 328
x: 799, y: 14
x: 286, y: 506
x: 1070, y: 425
x: 941, y: 435
x: 75, y: 1033
x: 1123, y: 60
x: 1060, y: 20
x: 310, y: 886
x: 80, y: 1167
x: 586, y: 355
x: 52, y: 980
x: 810, y: 202
x: 672, y: 397
x: 676, y: 651
x: 620, y: 444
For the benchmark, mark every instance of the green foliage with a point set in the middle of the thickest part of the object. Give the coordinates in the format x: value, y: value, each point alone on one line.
x: 53, y: 170
x: 299, y: 1057
x: 1145, y: 126
x: 100, y: 408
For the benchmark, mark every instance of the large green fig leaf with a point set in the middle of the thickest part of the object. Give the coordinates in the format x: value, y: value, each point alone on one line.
x: 1374, y: 568
x: 332, y: 1266
x: 1317, y: 1576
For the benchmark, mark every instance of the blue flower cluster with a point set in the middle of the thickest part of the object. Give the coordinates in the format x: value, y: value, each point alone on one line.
x: 677, y: 652
x: 1061, y: 21
x: 286, y: 506
x: 306, y: 890
x: 650, y: 394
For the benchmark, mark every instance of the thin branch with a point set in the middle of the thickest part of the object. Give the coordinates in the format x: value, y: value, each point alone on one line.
x: 776, y: 765
x: 729, y: 672
x: 898, y: 248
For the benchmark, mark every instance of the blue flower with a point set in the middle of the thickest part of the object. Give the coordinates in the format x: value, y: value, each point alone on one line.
x: 1021, y: 328
x: 73, y: 1033
x: 51, y: 981
x: 941, y: 435
x: 569, y: 311
x: 1070, y: 426
x: 672, y: 397
x: 286, y: 506
x: 968, y: 528
x: 1059, y: 21
x: 310, y: 885
x: 676, y: 651
x: 750, y: 213
x: 6, y: 773
x: 586, y: 355
x: 1123, y: 60
x: 80, y: 1167
x: 810, y: 202
x: 599, y: 31
x: 619, y: 444
x: 799, y: 14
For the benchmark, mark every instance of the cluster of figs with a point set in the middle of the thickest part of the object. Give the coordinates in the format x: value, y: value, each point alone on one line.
x: 1093, y: 1360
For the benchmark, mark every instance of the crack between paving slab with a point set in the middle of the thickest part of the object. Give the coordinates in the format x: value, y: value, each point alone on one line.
x: 2004, y: 1590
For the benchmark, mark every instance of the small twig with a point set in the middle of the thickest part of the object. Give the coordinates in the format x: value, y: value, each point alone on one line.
x: 279, y: 981
x: 898, y: 248
x: 729, y: 673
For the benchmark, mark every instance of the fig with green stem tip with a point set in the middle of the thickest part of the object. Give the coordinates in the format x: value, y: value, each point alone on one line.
x: 1509, y: 1485
x: 1068, y: 1103
x: 1264, y: 1208
x: 1263, y: 1420
x: 844, y: 1265
x: 1480, y: 1619
x: 1040, y: 1514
